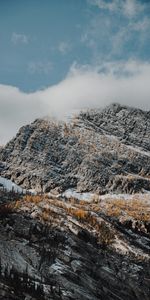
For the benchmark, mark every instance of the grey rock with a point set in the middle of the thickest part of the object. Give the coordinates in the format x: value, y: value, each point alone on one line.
x: 102, y: 150
x: 64, y: 265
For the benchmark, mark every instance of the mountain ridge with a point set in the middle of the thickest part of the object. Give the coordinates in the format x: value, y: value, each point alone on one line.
x: 62, y: 244
x: 104, y: 151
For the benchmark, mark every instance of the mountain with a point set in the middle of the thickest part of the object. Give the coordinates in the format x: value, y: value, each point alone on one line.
x: 74, y: 208
x: 98, y: 150
x: 72, y: 249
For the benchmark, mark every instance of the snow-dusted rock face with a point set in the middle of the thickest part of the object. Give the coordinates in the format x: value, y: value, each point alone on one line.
x: 72, y: 243
x: 10, y: 186
x: 104, y: 151
x: 131, y: 125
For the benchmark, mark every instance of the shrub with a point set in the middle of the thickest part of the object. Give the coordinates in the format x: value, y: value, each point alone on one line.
x: 135, y: 208
x: 34, y: 199
x: 5, y: 209
x: 106, y: 235
x: 80, y: 214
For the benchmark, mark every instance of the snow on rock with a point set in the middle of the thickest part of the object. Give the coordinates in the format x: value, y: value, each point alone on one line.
x: 11, y: 186
x: 71, y: 193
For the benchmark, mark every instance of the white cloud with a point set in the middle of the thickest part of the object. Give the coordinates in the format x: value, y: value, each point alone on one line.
x: 131, y: 8
x: 16, y: 109
x: 40, y: 67
x: 84, y: 86
x: 19, y: 38
x: 102, y: 4
x: 128, y: 8
x: 142, y: 25
x: 122, y: 33
x: 64, y: 47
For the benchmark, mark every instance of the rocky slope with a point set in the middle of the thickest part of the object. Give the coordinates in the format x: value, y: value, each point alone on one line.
x: 62, y: 244
x: 103, y: 151
x: 69, y: 250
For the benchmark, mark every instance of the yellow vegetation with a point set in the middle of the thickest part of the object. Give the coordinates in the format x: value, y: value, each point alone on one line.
x: 78, y: 213
x: 32, y: 198
x: 135, y: 208
x: 45, y: 216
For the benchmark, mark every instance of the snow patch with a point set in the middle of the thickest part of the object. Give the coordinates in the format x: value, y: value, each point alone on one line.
x: 11, y: 186
x: 71, y: 193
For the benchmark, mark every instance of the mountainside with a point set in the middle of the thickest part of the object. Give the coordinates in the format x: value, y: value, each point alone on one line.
x: 99, y: 150
x: 69, y: 250
x: 87, y: 235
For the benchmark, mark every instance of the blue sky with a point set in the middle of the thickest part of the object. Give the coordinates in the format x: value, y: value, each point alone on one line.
x: 41, y: 40
x: 61, y: 55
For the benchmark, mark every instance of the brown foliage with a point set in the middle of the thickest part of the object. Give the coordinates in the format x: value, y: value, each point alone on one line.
x: 6, y: 209
x: 106, y: 235
x: 136, y: 209
x: 34, y: 199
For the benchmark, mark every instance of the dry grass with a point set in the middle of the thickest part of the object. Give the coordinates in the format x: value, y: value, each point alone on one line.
x: 55, y: 209
x: 80, y: 214
x: 135, y: 208
x: 9, y: 208
x: 33, y: 199
x: 54, y: 212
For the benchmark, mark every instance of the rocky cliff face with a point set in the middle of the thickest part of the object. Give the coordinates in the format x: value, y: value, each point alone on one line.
x: 130, y: 125
x: 91, y: 248
x: 56, y: 249
x: 103, y: 151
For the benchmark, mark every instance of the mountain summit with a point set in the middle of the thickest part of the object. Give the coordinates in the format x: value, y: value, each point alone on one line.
x: 62, y: 244
x: 98, y: 150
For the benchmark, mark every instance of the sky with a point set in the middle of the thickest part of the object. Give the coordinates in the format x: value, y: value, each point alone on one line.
x: 59, y: 55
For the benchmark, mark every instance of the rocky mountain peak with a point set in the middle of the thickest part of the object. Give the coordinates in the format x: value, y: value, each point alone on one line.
x: 83, y: 232
x: 104, y: 150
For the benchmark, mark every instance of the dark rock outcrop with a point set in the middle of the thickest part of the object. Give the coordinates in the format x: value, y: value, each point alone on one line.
x: 40, y: 262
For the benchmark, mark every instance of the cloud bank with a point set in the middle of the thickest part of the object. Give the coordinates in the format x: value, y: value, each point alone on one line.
x: 119, y: 30
x: 128, y: 8
x: 83, y: 87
